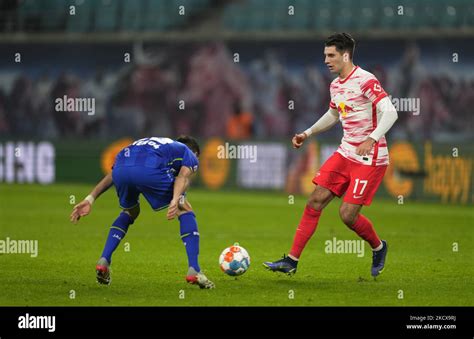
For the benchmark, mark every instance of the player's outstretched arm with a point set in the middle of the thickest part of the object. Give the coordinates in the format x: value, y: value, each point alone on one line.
x: 328, y: 120
x: 84, y: 207
x: 181, y: 183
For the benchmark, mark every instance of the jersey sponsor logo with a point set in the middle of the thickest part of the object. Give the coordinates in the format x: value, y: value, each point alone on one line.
x: 344, y: 109
x: 377, y: 88
x: 153, y: 142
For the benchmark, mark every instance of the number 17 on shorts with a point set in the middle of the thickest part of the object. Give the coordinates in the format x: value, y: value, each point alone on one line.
x: 365, y: 181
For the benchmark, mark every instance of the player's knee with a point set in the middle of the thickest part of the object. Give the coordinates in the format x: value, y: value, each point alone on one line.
x: 317, y: 201
x: 134, y: 212
x: 347, y: 216
x: 185, y: 206
x: 316, y: 204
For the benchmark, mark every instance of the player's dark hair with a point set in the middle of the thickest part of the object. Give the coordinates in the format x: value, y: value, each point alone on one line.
x: 343, y: 43
x: 190, y: 142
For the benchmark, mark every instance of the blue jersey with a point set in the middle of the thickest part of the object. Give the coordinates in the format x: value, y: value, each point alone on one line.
x: 149, y: 166
x: 159, y: 153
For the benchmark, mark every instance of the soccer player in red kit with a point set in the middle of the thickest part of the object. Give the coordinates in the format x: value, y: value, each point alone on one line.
x: 356, y: 169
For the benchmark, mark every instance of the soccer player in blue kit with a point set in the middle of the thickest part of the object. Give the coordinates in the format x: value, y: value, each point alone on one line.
x: 160, y: 170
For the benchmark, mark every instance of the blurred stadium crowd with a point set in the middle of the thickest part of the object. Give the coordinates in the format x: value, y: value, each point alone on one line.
x: 200, y: 90
x: 274, y: 90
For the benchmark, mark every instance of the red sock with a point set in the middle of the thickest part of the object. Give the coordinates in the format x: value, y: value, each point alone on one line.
x: 364, y: 229
x: 305, y: 230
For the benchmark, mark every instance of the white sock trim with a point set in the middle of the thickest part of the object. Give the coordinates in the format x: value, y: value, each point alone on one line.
x: 292, y: 257
x: 378, y: 248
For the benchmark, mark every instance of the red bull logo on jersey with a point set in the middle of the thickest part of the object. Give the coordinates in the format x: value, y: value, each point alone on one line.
x: 343, y: 109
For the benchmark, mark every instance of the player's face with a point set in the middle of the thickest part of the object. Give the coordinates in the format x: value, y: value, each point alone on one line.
x: 333, y: 59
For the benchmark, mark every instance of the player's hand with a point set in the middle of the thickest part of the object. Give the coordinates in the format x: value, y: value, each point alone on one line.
x: 366, y: 147
x: 80, y: 210
x: 298, y: 140
x: 172, y: 209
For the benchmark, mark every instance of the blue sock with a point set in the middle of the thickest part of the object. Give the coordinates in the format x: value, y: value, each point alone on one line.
x: 190, y: 237
x: 117, y: 233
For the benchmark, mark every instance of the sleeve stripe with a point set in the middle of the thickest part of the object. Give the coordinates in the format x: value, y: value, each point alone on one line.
x: 366, y: 85
x: 380, y: 97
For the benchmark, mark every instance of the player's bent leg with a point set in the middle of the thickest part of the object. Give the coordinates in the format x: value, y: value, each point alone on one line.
x: 134, y: 212
x: 318, y: 199
x: 363, y: 227
x: 184, y: 206
x: 116, y: 234
x: 190, y: 237
x: 348, y: 213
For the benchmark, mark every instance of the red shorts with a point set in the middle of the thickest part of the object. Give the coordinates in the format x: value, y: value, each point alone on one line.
x: 341, y: 175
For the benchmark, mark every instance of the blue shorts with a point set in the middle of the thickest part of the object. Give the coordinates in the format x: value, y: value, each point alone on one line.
x: 155, y: 184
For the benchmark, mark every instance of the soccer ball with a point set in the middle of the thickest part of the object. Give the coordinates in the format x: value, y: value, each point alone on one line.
x: 234, y: 260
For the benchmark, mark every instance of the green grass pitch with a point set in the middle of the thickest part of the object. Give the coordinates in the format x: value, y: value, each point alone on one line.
x: 421, y: 268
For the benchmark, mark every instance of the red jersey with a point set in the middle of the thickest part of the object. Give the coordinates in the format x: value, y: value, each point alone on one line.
x: 356, y: 98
